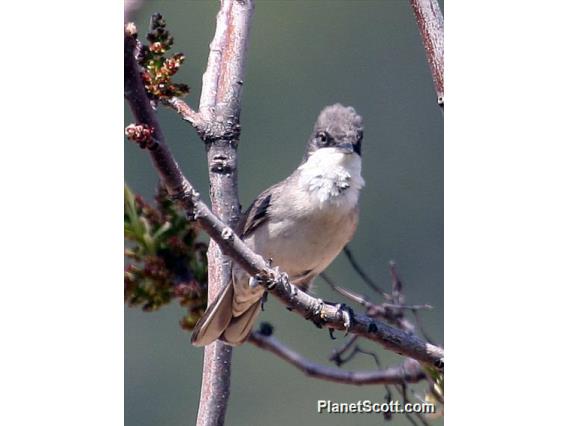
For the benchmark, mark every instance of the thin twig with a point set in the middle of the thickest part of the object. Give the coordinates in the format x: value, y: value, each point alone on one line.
x: 424, y: 306
x: 337, y: 353
x: 373, y: 355
x: 401, y: 387
x: 421, y: 327
x: 349, y: 294
x: 382, y: 310
x: 408, y: 372
x: 420, y: 417
x: 187, y: 113
x: 397, y: 296
x: 410, y: 419
x: 363, y: 275
x: 402, y: 391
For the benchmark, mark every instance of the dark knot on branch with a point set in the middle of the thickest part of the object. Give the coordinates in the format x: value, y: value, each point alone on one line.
x: 224, y: 132
x: 266, y: 329
x: 221, y: 164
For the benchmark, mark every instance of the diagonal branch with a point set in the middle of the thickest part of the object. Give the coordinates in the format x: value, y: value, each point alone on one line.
x: 187, y: 113
x: 336, y: 317
x: 408, y: 372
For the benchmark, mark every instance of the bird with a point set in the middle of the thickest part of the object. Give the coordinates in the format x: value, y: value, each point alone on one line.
x: 300, y: 224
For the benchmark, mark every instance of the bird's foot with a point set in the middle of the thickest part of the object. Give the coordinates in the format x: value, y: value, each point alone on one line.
x: 254, y: 281
x: 347, y: 315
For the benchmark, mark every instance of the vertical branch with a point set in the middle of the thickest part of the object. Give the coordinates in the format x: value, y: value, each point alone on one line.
x: 431, y: 25
x: 219, y: 111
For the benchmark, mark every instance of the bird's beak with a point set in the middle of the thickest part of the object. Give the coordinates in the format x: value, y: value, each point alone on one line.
x: 345, y: 147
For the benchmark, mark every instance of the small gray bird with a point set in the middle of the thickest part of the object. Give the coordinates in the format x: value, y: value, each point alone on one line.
x: 301, y: 223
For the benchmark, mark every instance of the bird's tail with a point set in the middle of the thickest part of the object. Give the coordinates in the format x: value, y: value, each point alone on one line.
x: 218, y: 321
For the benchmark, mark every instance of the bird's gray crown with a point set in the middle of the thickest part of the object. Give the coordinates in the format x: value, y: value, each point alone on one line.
x: 337, y: 126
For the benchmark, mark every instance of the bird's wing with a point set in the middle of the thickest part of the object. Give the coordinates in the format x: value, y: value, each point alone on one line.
x: 257, y: 214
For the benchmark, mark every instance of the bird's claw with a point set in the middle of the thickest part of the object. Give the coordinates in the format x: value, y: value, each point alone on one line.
x: 347, y: 314
x: 254, y: 281
x: 278, y: 276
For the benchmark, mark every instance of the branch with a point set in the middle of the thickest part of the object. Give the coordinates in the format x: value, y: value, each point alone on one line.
x: 218, y: 125
x: 355, y: 265
x: 386, y: 311
x: 223, y: 79
x: 338, y: 352
x: 401, y: 387
x: 187, y: 113
x: 336, y: 317
x: 216, y: 377
x: 431, y: 25
x: 408, y: 372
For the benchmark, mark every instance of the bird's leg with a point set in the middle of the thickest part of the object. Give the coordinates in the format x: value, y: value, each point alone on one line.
x: 263, y: 300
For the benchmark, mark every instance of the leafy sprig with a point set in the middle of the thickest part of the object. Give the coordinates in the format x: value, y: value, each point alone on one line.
x: 166, y: 260
x: 158, y: 69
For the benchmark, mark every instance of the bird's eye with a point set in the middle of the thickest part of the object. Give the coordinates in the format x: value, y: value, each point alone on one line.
x: 323, y: 137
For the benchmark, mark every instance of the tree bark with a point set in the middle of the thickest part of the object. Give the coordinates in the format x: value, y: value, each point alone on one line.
x: 219, y: 127
x: 431, y: 25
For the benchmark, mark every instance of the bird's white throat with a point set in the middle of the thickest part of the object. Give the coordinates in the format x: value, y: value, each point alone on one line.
x: 332, y: 176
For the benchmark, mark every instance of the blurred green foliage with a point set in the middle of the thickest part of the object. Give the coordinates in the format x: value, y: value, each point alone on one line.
x: 165, y: 259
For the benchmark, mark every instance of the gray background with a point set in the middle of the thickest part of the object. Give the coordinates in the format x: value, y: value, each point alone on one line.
x: 303, y: 55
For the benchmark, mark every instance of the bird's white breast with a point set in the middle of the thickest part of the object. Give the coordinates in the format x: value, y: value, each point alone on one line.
x: 332, y: 179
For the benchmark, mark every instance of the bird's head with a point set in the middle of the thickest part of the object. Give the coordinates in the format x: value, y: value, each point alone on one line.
x: 339, y: 128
